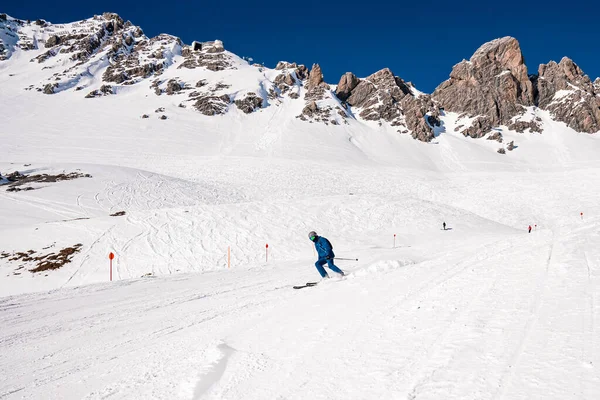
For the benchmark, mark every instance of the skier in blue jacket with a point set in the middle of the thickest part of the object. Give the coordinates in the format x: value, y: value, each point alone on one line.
x: 326, y: 256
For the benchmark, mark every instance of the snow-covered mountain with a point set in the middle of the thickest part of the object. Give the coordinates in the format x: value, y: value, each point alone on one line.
x: 105, y: 56
x: 203, y: 174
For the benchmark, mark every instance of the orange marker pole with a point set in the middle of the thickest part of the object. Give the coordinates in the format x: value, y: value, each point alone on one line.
x: 110, y: 257
x: 394, y: 241
x: 267, y: 252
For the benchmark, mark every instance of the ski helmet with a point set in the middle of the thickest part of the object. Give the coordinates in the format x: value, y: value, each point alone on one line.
x: 312, y: 235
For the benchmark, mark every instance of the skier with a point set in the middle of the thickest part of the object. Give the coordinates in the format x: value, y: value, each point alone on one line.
x: 444, y: 225
x: 326, y: 256
x: 529, y: 228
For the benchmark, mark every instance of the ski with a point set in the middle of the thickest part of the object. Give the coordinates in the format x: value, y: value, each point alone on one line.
x: 308, y: 284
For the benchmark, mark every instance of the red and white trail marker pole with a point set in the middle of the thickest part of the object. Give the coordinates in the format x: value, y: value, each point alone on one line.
x: 267, y: 252
x: 394, y: 241
x: 111, y: 256
x: 581, y: 215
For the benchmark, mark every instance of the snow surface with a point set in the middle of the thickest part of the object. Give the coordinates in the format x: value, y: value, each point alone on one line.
x: 483, y: 310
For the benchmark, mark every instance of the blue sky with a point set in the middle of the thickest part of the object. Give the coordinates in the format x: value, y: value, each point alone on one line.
x: 420, y: 41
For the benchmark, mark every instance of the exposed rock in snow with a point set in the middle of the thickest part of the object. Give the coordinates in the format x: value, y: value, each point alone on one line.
x: 521, y: 126
x: 497, y: 136
x: 105, y: 90
x: 49, y: 88
x: 320, y: 103
x: 569, y: 94
x: 383, y: 96
x: 212, y: 105
x: 173, y: 87
x: 289, y: 80
x: 210, y: 55
x: 249, y: 103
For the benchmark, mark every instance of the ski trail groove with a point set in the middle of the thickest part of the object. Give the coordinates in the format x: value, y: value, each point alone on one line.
x: 509, y: 372
x: 215, y: 373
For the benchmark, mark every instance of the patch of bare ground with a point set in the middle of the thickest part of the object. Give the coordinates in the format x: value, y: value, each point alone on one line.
x: 45, y: 262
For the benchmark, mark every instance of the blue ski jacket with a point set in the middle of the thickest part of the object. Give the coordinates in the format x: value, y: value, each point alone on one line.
x: 324, y: 248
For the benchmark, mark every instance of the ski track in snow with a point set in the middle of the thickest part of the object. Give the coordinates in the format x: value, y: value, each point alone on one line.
x: 421, y: 321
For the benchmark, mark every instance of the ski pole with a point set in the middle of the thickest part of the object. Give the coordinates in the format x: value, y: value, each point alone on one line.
x: 347, y: 259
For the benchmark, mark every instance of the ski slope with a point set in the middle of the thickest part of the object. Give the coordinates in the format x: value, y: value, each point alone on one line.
x: 505, y: 316
x: 483, y: 310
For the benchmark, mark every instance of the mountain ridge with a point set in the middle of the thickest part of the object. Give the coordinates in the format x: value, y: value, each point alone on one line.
x: 103, y: 55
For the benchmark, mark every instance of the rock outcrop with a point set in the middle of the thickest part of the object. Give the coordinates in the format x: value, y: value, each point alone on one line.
x: 494, y: 88
x: 142, y: 60
x: 315, y: 85
x: 285, y: 65
x: 52, y: 41
x: 209, y: 55
x: 320, y: 103
x: 50, y: 88
x: 347, y: 84
x: 315, y: 77
x: 383, y: 96
x: 497, y: 136
x: 212, y: 105
x: 104, y: 90
x: 493, y: 85
x: 173, y: 87
x: 249, y: 103
x: 569, y: 95
x: 289, y: 80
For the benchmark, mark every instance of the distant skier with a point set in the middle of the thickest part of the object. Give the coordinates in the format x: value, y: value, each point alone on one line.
x: 529, y: 228
x: 326, y: 255
x: 444, y: 225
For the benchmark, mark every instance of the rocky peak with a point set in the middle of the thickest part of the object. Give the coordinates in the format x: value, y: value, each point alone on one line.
x: 500, y: 55
x: 381, y: 84
x: 569, y: 94
x: 597, y: 86
x: 383, y: 96
x: 66, y: 49
x: 316, y: 87
x: 315, y: 77
x: 285, y: 65
x: 114, y: 21
x: 493, y: 86
x: 566, y: 75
